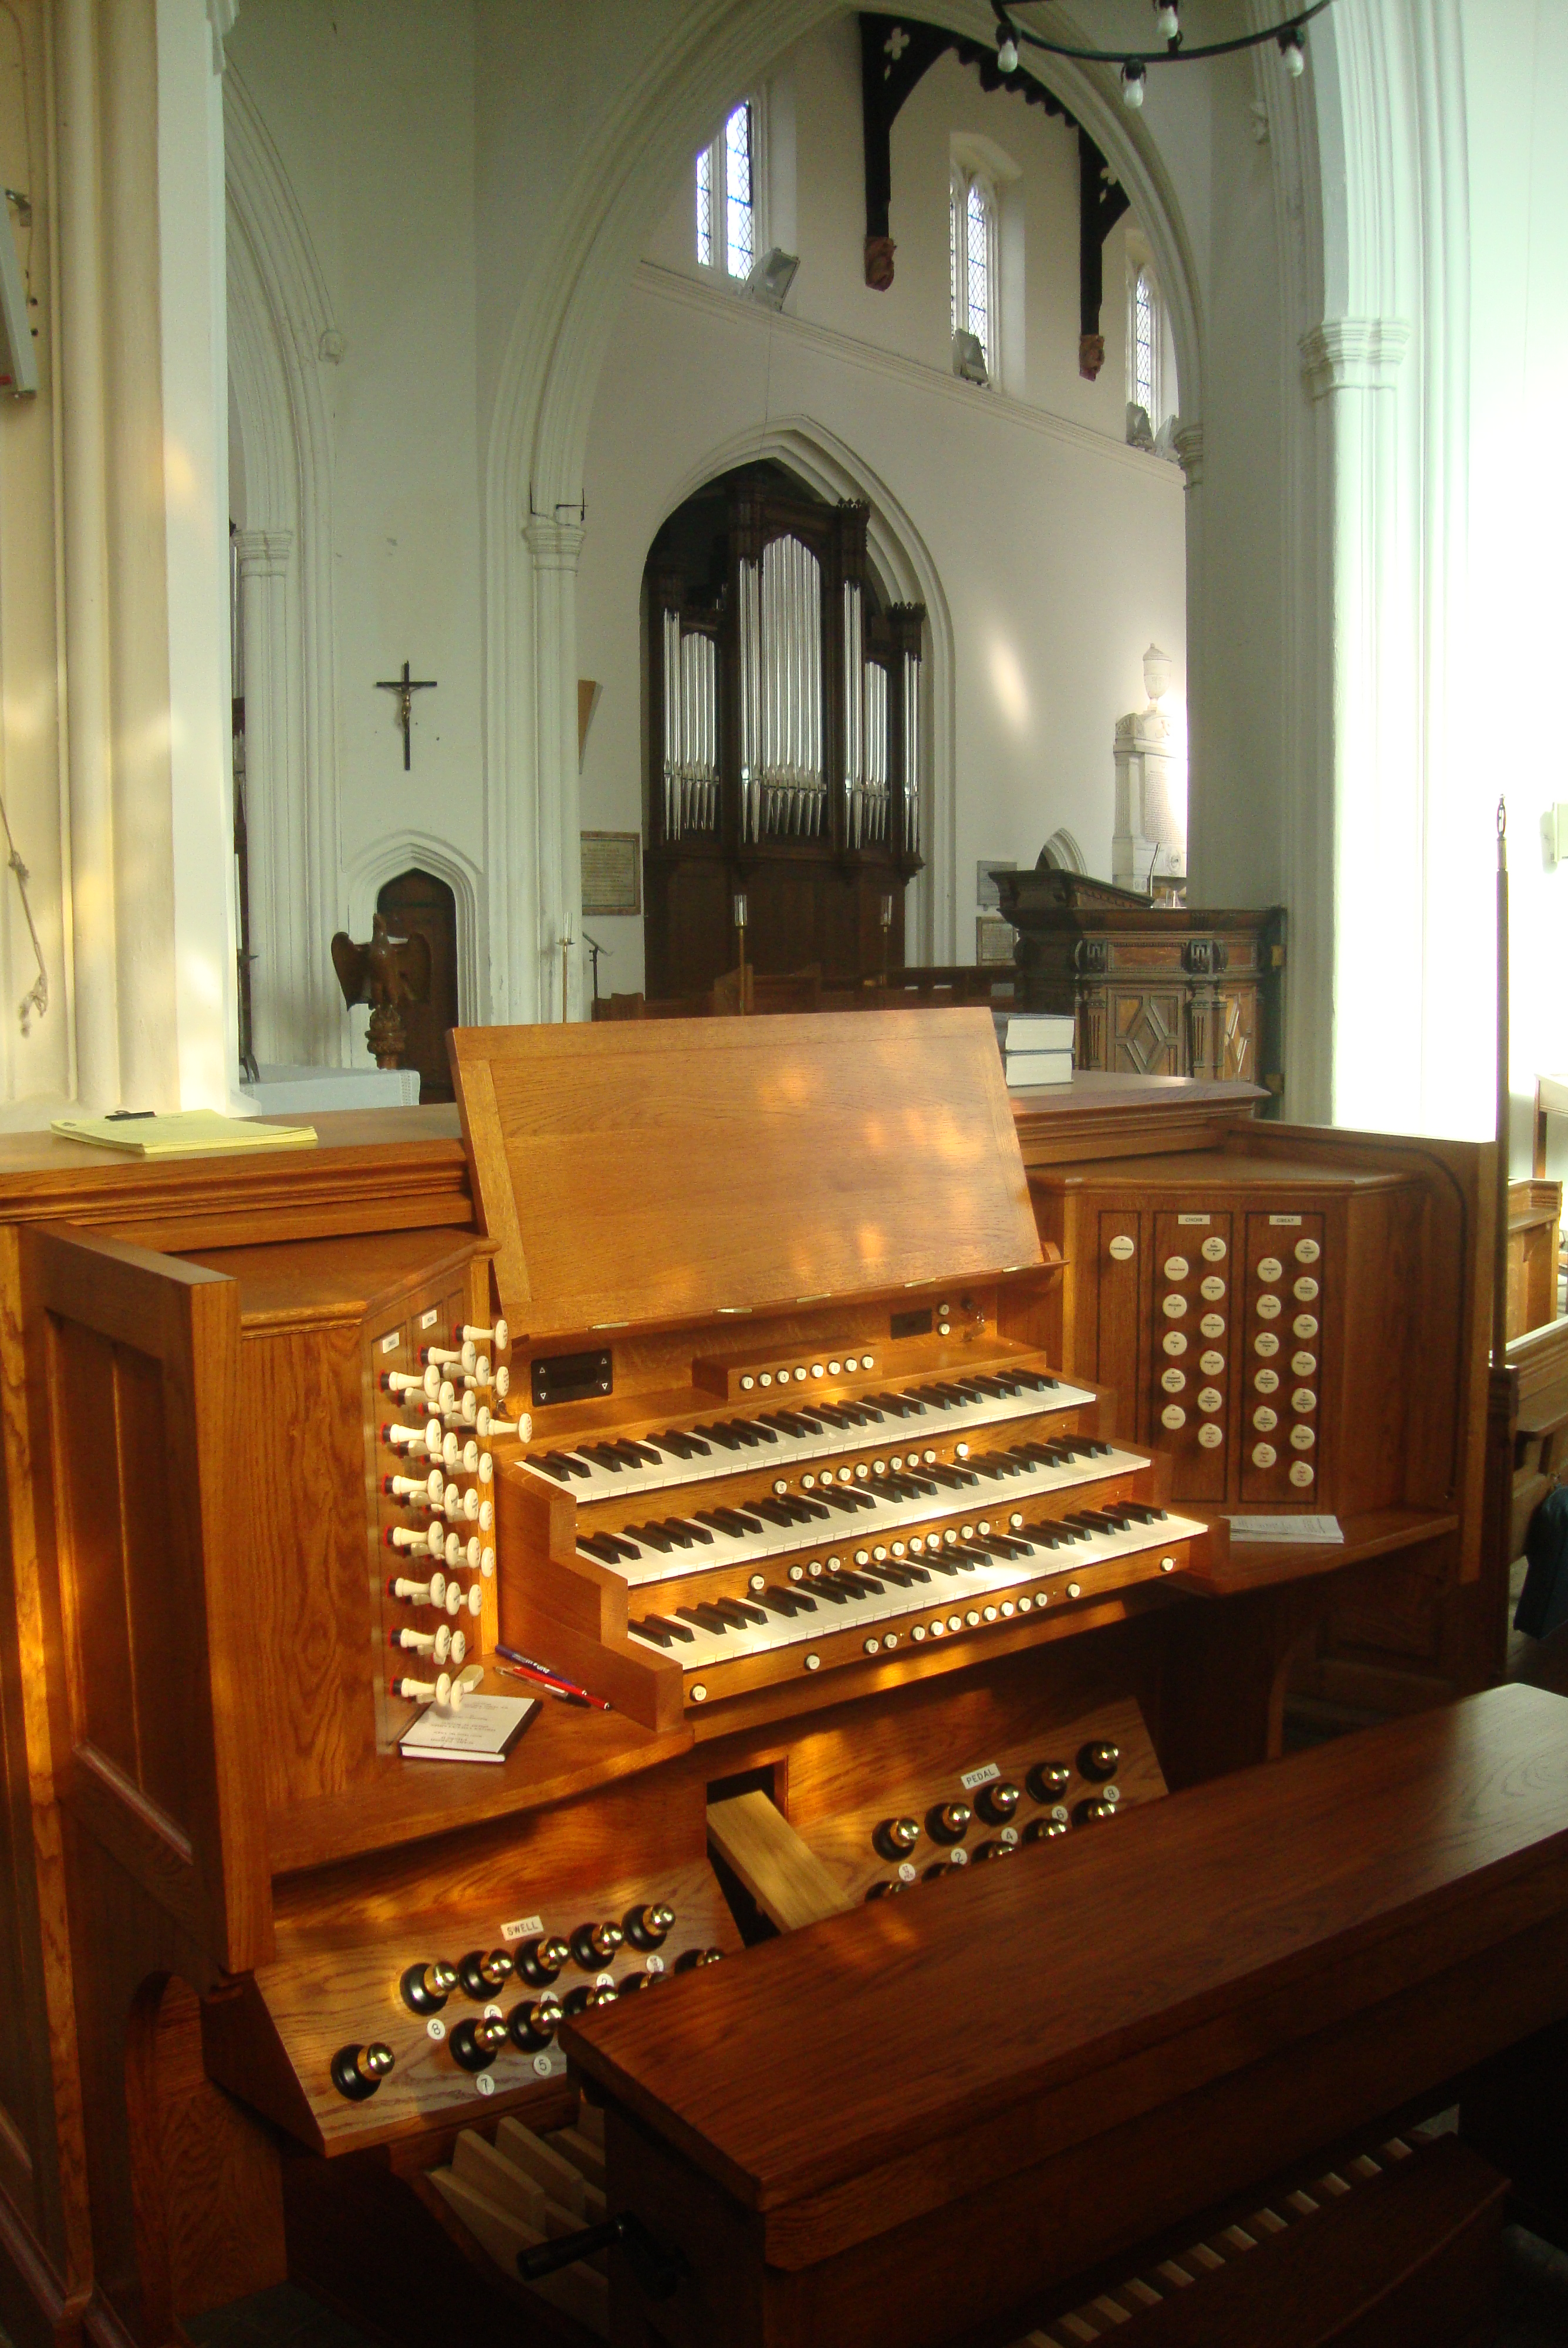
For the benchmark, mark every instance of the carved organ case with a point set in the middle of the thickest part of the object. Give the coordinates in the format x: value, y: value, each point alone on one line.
x: 785, y: 739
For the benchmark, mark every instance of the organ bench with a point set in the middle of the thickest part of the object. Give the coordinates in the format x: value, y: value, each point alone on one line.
x: 781, y: 1400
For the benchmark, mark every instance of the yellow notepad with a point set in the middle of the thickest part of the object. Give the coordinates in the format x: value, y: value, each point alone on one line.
x: 188, y: 1133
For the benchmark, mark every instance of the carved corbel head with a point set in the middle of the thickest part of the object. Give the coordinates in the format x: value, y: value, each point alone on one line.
x: 879, y: 252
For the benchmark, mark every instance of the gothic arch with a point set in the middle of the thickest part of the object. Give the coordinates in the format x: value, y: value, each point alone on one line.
x: 540, y: 423
x: 906, y: 571
x: 396, y: 853
x: 280, y: 332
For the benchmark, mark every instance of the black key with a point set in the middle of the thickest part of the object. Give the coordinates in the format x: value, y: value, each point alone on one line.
x: 641, y: 1454
x: 655, y: 1536
x: 676, y: 1630
x: 988, y: 1383
x: 724, y: 1436
x: 903, y: 1576
x: 859, y: 1583
x: 574, y: 1461
x: 787, y: 1422
x: 731, y: 1521
x: 706, y: 1618
x: 954, y: 1478
x: 1141, y: 1515
x: 653, y: 1628
x: 956, y: 1395
x: 676, y: 1526
x: 902, y: 1405
x: 797, y: 1511
x: 835, y: 1415
x: 603, y: 1456
x: 780, y: 1601
x: 553, y: 1465
x: 678, y: 1447
x: 605, y: 1547
x: 752, y: 1431
x: 776, y: 1511
x: 932, y: 1397
x: 826, y: 1588
x: 736, y: 1611
x: 1035, y: 1383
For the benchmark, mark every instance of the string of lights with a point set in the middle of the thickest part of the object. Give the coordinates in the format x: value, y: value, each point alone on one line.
x: 1290, y: 38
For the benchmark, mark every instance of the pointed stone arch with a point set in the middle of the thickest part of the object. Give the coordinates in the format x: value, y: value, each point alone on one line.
x: 906, y: 572
x: 280, y: 334
x: 534, y: 515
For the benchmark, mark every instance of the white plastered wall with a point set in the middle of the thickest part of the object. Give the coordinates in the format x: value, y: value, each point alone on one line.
x: 355, y: 217
x: 1060, y: 551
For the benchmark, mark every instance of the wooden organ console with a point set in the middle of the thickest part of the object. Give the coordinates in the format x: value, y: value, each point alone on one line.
x: 752, y: 1377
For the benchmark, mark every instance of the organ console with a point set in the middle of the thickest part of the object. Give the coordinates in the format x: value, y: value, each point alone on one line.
x: 751, y: 1377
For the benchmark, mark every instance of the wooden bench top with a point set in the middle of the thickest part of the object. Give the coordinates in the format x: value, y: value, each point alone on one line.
x: 927, y: 2040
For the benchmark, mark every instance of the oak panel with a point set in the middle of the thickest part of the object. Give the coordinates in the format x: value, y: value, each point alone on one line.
x: 1245, y: 1894
x: 644, y: 1162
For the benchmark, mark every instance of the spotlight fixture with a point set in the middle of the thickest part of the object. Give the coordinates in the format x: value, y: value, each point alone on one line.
x: 1290, y: 38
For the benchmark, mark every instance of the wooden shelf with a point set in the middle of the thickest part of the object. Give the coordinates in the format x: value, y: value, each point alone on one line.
x: 1244, y: 1565
x: 564, y: 1751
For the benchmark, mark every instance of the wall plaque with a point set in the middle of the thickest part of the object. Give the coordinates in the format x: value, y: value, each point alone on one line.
x: 611, y: 872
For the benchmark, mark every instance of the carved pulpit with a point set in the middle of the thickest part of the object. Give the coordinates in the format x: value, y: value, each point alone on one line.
x: 1156, y: 990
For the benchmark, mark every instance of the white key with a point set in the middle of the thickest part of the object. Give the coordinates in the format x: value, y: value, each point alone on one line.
x: 991, y: 1498
x: 938, y: 1597
x: 786, y: 1450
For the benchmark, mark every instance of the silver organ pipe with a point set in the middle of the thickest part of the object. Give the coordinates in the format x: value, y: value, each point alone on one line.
x: 854, y: 713
x: 690, y: 765
x: 787, y: 644
x: 752, y: 752
x: 912, y: 749
x: 699, y: 733
x: 671, y: 724
x: 876, y: 751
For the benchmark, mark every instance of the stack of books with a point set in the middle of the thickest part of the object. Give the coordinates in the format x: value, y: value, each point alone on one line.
x: 1037, y: 1047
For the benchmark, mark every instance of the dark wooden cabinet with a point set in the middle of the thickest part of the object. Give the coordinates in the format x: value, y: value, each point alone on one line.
x: 1156, y: 990
x: 783, y: 740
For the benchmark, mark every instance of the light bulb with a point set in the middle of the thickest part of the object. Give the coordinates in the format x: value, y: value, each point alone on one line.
x: 1007, y: 55
x: 1292, y: 53
x: 1167, y: 23
x: 1133, y: 83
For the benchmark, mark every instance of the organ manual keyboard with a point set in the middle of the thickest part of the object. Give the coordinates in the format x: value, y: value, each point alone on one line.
x: 733, y: 1370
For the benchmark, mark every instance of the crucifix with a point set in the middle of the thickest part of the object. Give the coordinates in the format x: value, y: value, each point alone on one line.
x: 405, y: 687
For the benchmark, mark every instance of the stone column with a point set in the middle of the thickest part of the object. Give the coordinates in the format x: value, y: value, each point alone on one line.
x: 144, y: 463
x: 555, y: 546
x: 275, y: 810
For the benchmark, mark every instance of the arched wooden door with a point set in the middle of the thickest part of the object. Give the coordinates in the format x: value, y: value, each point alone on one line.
x: 417, y: 902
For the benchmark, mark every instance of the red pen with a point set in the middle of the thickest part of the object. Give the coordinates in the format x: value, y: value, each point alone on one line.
x: 524, y: 1667
x: 545, y: 1687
